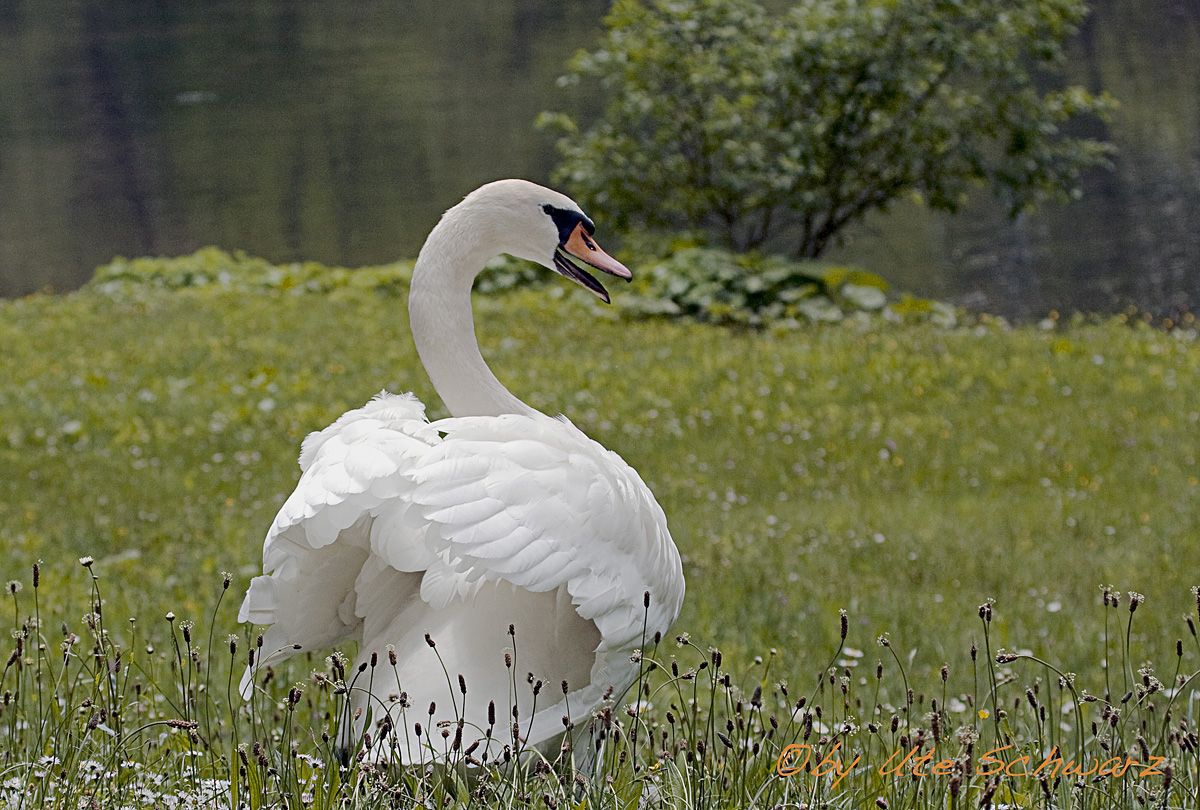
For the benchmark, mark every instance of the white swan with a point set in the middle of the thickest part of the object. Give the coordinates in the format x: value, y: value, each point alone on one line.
x: 403, y: 532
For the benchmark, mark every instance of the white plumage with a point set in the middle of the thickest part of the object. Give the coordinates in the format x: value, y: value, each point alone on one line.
x: 499, y: 517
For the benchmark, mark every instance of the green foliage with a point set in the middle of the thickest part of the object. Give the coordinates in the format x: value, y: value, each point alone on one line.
x: 716, y: 286
x: 504, y: 273
x: 213, y: 267
x: 783, y: 129
x: 699, y: 283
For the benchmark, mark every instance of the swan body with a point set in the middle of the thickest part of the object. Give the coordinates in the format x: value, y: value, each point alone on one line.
x: 500, y: 549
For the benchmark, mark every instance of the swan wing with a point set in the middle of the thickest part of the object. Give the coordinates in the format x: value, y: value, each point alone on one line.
x: 530, y: 501
x: 533, y: 501
x: 347, y: 507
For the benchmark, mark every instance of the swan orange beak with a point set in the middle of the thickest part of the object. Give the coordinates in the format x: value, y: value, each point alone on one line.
x: 581, y: 246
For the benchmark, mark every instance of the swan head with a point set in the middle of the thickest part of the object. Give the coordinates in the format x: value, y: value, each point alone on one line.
x: 541, y: 225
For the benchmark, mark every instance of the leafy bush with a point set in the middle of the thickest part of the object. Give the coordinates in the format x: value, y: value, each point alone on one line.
x: 782, y: 129
x: 213, y: 267
x: 703, y: 284
x: 505, y: 273
x: 755, y: 290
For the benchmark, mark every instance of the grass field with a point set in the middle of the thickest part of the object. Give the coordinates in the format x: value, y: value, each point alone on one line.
x: 904, y: 472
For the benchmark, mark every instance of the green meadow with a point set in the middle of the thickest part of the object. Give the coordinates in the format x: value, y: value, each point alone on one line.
x: 904, y: 472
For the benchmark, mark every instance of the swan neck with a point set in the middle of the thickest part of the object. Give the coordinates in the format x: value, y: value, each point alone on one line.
x: 439, y: 306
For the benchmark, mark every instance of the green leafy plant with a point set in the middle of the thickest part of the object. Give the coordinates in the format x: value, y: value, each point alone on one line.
x: 783, y: 129
x: 717, y: 286
x: 219, y: 269
x: 704, y: 284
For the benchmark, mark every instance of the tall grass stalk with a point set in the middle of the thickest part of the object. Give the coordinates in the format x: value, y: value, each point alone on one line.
x: 110, y: 718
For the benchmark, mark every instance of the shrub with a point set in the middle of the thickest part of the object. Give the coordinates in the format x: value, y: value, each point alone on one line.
x: 751, y: 289
x: 704, y: 284
x: 783, y: 129
x: 213, y: 267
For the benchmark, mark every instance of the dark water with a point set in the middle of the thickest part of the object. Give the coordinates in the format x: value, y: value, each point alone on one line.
x: 338, y: 132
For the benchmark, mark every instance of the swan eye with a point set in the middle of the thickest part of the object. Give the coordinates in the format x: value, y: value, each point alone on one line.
x: 565, y: 220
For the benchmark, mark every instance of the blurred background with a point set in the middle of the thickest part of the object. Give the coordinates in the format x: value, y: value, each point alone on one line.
x: 339, y: 133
